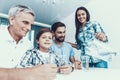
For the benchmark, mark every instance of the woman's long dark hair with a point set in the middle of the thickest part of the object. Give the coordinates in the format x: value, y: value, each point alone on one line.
x: 77, y: 23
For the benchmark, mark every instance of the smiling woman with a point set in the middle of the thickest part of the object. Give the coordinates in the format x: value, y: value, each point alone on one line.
x: 109, y: 19
x: 86, y: 32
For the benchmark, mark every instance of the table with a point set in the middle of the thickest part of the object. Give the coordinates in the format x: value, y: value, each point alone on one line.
x: 91, y: 74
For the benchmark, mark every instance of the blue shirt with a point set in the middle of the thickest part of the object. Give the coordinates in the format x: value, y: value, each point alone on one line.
x: 66, y: 49
x: 87, y: 35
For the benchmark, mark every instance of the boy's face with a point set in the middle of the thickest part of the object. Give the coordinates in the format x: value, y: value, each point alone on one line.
x: 45, y: 40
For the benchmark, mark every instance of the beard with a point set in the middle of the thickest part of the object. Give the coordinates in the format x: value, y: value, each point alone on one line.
x: 60, y: 39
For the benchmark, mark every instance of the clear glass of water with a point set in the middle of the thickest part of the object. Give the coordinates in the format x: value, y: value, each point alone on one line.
x: 85, y: 62
x: 62, y: 62
x: 51, y: 59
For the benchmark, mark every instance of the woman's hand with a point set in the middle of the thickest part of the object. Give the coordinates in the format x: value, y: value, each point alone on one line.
x: 101, y: 36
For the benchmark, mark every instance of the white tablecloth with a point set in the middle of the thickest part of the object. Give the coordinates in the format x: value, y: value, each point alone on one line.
x: 91, y: 74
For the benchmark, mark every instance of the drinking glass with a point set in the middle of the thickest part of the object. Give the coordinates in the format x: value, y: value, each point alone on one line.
x: 85, y: 62
x: 62, y: 63
x: 77, y: 63
x: 51, y: 59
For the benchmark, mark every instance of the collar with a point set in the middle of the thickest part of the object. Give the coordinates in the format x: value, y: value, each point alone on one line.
x: 9, y: 37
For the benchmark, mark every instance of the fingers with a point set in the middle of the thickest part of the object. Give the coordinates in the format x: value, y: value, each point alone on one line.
x: 46, y: 70
x: 100, y: 36
x: 53, y: 67
x: 42, y: 72
x: 65, y: 69
x: 51, y: 72
x: 77, y: 64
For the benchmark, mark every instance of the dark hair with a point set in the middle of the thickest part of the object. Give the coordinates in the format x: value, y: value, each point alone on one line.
x: 43, y: 30
x: 56, y: 25
x: 77, y: 23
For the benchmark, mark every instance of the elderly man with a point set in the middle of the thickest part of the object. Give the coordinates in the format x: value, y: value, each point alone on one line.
x: 13, y: 45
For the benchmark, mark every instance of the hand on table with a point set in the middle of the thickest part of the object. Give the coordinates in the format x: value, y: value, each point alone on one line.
x: 43, y: 72
x: 65, y: 69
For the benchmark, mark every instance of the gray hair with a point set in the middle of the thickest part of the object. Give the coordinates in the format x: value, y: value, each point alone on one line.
x: 15, y: 10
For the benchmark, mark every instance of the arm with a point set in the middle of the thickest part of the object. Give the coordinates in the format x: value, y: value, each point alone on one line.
x: 73, y: 44
x: 66, y: 69
x: 99, y: 32
x: 4, y: 74
x: 34, y: 73
x: 101, y: 36
x: 72, y: 59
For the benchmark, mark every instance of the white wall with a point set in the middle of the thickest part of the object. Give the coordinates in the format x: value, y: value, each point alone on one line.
x: 107, y: 12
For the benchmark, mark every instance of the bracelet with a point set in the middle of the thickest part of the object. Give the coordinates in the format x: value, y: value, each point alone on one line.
x: 72, y: 69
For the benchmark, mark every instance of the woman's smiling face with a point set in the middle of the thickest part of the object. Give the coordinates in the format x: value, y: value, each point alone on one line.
x: 81, y: 16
